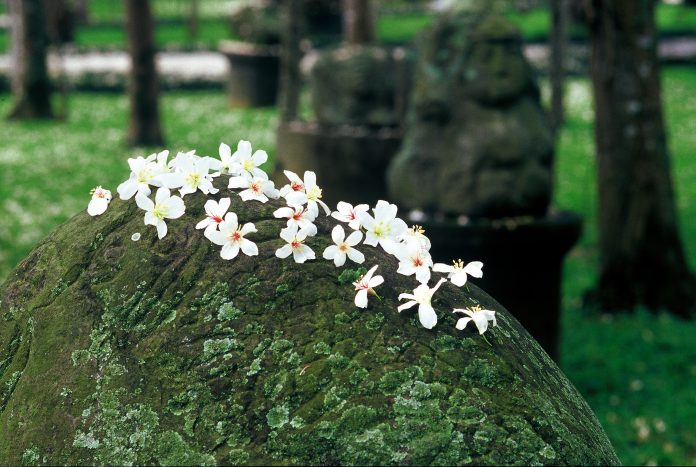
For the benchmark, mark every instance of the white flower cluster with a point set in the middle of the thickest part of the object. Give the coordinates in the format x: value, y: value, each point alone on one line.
x: 381, y: 227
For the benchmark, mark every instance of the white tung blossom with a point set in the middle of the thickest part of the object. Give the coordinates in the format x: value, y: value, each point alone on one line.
x: 295, y: 245
x: 99, y: 202
x: 299, y: 216
x: 422, y: 296
x: 190, y: 173
x: 231, y: 237
x: 243, y: 161
x: 414, y: 259
x: 164, y: 207
x: 256, y: 188
x: 416, y: 235
x: 344, y: 247
x: 346, y: 212
x: 384, y: 228
x: 457, y: 273
x: 144, y: 172
x: 365, y: 285
x: 479, y: 316
x: 309, y: 193
x: 215, y: 213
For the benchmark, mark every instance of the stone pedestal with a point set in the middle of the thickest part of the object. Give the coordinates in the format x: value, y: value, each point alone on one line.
x: 350, y: 160
x: 254, y: 72
x: 523, y: 263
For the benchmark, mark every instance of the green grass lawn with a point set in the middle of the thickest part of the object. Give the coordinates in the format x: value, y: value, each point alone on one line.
x: 392, y: 28
x: 637, y: 372
x: 671, y: 20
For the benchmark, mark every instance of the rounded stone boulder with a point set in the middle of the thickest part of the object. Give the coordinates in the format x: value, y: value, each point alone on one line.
x: 115, y: 351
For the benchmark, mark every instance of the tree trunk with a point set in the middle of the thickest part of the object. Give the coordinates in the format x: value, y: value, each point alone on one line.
x: 359, y: 21
x: 290, y: 60
x: 144, y: 128
x: 31, y: 83
x: 81, y: 11
x: 192, y: 21
x: 559, y: 28
x: 641, y: 255
x: 60, y: 21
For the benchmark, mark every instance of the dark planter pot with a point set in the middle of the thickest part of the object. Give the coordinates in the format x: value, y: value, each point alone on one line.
x: 254, y: 72
x: 522, y: 264
x: 350, y: 161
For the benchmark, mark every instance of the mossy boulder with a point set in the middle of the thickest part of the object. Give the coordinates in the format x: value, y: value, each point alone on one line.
x: 114, y: 351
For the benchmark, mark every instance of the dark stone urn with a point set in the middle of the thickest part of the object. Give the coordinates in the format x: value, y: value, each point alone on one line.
x: 478, y: 148
x: 523, y: 263
x: 253, y: 77
x: 358, y: 95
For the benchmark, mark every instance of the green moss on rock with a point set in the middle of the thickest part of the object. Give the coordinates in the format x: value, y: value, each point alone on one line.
x: 160, y: 352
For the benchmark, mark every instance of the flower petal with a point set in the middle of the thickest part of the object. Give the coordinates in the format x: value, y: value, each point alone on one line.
x: 284, y: 251
x: 442, y: 267
x: 330, y: 252
x: 127, y: 189
x: 249, y: 248
x: 406, y: 305
x: 338, y: 234
x: 354, y: 238
x: 462, y: 322
x: 229, y: 250
x: 144, y: 202
x: 427, y: 316
x: 161, y: 229
x: 361, y: 299
x: 474, y: 269
x: 356, y: 256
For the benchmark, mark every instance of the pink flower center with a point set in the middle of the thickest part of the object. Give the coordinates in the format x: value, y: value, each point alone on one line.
x: 216, y: 219
x: 297, y: 216
x: 417, y: 261
x: 295, y: 244
x: 296, y: 186
x: 236, y: 236
x: 255, y: 187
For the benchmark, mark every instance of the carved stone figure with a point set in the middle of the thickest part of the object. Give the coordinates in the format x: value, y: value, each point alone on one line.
x: 477, y: 140
x: 359, y: 85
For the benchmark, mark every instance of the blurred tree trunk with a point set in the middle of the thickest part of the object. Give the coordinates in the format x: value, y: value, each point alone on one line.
x: 60, y: 21
x: 144, y: 128
x: 359, y: 21
x: 641, y: 255
x: 291, y: 54
x: 559, y: 38
x: 81, y: 8
x: 31, y: 83
x: 192, y: 20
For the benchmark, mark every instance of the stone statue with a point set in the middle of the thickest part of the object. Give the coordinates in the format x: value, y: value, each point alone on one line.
x: 477, y: 140
x: 359, y: 85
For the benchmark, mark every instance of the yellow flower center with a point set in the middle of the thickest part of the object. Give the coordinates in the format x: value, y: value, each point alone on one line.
x: 314, y: 193
x: 160, y: 211
x: 144, y: 175
x: 380, y: 230
x: 193, y: 179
